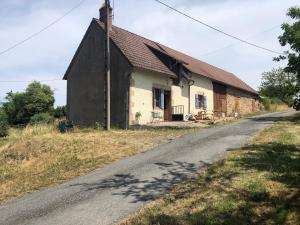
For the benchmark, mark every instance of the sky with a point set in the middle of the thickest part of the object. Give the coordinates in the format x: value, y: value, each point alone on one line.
x: 47, y: 55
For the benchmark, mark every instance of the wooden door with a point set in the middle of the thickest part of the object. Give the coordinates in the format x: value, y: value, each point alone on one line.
x: 220, y: 99
x: 167, y: 106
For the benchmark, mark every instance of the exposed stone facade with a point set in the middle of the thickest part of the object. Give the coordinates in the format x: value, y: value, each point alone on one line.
x: 241, y: 102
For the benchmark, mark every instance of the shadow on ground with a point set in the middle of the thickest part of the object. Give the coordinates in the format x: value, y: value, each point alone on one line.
x: 248, y: 203
x: 139, y: 190
x: 265, y: 119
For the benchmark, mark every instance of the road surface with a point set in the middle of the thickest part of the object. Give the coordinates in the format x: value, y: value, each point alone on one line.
x: 107, y: 195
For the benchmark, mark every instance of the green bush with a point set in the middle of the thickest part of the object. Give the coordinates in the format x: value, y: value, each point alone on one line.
x: 41, y: 118
x: 276, y: 101
x: 3, y: 124
x: 60, y: 112
x: 267, y: 103
x: 271, y: 103
x: 65, y: 126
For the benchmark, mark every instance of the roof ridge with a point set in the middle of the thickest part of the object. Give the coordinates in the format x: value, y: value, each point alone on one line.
x: 157, y: 43
x: 205, y: 71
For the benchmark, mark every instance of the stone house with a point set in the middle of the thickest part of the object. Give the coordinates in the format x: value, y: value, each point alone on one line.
x: 149, y: 78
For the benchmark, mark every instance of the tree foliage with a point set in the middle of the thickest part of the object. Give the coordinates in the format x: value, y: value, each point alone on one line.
x: 278, y: 84
x: 60, y: 112
x: 20, y: 107
x: 291, y: 38
x: 3, y: 123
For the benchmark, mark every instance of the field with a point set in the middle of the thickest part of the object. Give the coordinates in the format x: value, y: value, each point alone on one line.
x: 40, y: 156
x: 258, y: 184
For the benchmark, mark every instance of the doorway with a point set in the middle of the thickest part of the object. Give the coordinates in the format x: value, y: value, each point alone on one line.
x: 220, y: 99
x: 167, y: 106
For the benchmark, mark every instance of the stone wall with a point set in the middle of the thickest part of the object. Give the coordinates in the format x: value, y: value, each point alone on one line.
x: 241, y: 102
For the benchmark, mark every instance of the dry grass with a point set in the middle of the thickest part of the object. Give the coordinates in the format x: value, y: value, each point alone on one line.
x: 258, y: 184
x: 39, y: 156
x: 273, y: 108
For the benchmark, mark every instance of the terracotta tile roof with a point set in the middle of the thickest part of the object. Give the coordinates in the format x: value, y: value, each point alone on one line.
x: 135, y: 48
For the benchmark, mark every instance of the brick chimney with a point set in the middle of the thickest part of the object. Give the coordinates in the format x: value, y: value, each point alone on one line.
x: 103, y: 16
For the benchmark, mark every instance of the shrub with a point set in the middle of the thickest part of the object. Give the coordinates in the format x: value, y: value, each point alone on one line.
x: 3, y: 124
x: 267, y: 103
x: 276, y: 101
x: 98, y: 126
x: 41, y: 118
x: 65, y: 126
x: 138, y: 115
x: 60, y: 112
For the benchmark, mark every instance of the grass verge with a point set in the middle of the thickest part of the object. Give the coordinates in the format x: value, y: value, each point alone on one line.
x: 273, y: 108
x: 39, y: 156
x: 258, y: 184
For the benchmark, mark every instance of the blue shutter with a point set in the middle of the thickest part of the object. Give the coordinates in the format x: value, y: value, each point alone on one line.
x: 197, y: 101
x: 162, y: 99
x: 205, y: 103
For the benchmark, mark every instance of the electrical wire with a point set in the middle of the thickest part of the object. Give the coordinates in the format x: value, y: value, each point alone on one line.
x: 231, y: 45
x: 28, y: 81
x: 43, y: 29
x: 218, y: 30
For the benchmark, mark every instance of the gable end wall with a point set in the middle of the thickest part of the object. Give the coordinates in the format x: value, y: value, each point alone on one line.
x: 86, y: 80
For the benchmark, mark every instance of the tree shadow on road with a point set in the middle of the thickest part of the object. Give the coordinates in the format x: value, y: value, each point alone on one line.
x: 128, y: 185
x: 261, y: 185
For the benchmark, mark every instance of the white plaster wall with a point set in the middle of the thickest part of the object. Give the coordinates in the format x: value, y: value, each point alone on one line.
x: 141, y: 96
x: 202, y: 86
x: 180, y: 96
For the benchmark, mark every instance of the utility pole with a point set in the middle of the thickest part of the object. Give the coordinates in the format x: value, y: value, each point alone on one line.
x: 107, y: 66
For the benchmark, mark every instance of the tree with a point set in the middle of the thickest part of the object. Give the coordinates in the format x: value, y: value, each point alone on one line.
x: 291, y: 38
x: 20, y: 107
x: 60, y: 112
x: 280, y: 85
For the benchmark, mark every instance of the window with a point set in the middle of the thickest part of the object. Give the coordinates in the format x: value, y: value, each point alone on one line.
x: 201, y: 102
x: 158, y: 98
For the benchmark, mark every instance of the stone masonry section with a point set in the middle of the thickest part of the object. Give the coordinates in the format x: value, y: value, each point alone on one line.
x: 241, y: 102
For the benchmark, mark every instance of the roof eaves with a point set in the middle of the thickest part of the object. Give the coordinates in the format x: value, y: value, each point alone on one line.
x: 171, y: 74
x: 230, y: 85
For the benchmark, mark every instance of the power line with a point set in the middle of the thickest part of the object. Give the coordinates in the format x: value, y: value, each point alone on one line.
x: 231, y: 45
x: 216, y: 29
x: 43, y: 29
x: 28, y: 81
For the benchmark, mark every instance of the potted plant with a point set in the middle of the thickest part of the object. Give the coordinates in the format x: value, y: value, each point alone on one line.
x: 138, y: 116
x: 223, y: 113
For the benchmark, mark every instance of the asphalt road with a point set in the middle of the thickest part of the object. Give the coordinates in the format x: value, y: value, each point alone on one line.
x: 109, y: 194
